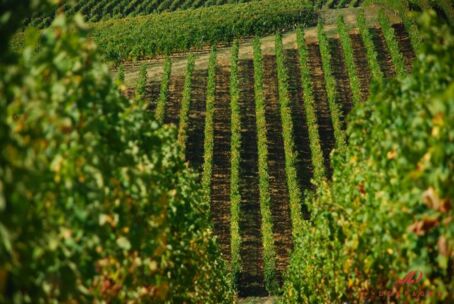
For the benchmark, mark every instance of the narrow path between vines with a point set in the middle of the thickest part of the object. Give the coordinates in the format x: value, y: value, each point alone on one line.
x: 279, y: 196
x: 220, y: 179
x: 196, y: 121
x: 251, y: 278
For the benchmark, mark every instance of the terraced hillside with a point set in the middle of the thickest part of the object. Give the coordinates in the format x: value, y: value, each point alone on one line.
x: 264, y: 116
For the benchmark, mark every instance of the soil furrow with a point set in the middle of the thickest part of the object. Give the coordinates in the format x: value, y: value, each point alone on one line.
x: 220, y: 177
x: 363, y: 71
x: 196, y: 121
x: 251, y: 278
x: 304, y: 165
x: 325, y: 127
x: 279, y: 196
x: 174, y: 100
x: 129, y: 93
x: 344, y: 97
x: 383, y: 55
x: 405, y: 46
x: 152, y: 95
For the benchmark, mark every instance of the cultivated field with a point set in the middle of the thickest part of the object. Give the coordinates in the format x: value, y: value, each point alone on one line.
x: 263, y: 116
x: 95, y: 11
x: 213, y: 151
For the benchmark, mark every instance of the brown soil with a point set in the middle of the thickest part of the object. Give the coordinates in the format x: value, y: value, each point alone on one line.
x: 220, y: 178
x: 360, y: 58
x: 343, y: 91
x: 404, y: 45
x: 196, y: 120
x: 300, y: 131
x: 325, y: 126
x: 279, y: 196
x: 384, y: 57
x: 251, y: 278
x: 173, y: 103
x: 152, y: 94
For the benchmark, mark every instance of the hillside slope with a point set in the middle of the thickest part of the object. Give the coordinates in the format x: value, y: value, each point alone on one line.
x: 291, y: 133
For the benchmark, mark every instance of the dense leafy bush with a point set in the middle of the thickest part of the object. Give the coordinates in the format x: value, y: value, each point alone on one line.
x: 95, y: 202
x: 388, y: 210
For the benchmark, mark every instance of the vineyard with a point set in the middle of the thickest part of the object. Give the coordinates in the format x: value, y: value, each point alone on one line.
x: 262, y: 118
x: 95, y: 11
x: 211, y: 151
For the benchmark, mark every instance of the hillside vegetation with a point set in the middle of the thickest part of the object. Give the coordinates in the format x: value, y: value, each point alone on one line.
x: 388, y: 209
x: 158, y: 34
x: 181, y: 31
x: 95, y: 202
x: 310, y: 165
x: 94, y: 10
x: 261, y: 123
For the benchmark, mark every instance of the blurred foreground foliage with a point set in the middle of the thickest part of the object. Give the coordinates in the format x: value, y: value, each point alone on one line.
x: 388, y: 210
x: 95, y: 203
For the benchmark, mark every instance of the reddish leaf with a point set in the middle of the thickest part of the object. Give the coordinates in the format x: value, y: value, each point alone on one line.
x: 421, y: 227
